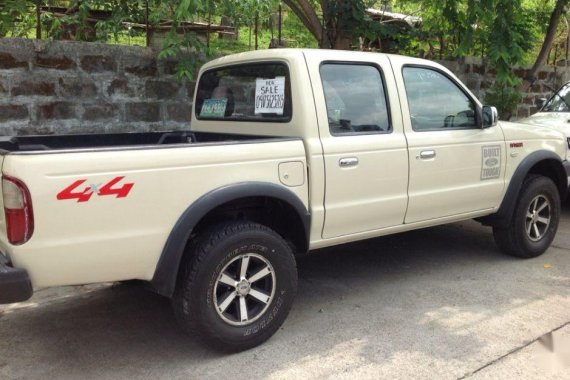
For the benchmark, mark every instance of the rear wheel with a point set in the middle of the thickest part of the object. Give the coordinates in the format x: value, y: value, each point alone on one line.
x: 534, y: 222
x: 239, y: 287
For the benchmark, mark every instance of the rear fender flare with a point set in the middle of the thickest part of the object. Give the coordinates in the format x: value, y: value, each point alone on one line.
x: 165, y: 275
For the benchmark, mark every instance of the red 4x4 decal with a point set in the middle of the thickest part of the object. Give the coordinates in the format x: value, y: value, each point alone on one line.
x: 72, y: 191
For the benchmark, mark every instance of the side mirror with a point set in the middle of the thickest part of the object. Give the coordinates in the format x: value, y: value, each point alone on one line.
x: 490, y: 116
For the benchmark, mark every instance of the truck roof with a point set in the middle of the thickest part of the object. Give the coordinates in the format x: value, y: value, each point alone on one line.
x: 286, y: 54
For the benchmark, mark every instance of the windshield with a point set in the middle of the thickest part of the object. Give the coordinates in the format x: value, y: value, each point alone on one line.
x: 560, y: 102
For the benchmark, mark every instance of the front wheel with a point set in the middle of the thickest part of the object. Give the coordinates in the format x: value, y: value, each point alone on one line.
x: 239, y: 287
x: 534, y: 222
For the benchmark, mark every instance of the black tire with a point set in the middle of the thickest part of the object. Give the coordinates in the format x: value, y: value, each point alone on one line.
x: 515, y: 239
x: 200, y: 293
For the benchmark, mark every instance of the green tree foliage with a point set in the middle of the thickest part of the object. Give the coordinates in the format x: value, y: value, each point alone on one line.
x: 503, y: 32
x: 551, y: 26
x: 184, y: 45
x: 181, y: 45
x: 123, y: 11
x: 335, y: 23
x: 15, y: 17
x: 248, y: 13
x: 244, y: 12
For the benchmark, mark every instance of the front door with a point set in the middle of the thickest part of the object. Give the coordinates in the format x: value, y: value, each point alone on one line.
x: 456, y: 167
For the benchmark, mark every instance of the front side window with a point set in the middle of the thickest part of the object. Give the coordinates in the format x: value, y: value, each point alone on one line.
x: 355, y: 98
x: 252, y: 92
x: 560, y: 102
x: 435, y: 102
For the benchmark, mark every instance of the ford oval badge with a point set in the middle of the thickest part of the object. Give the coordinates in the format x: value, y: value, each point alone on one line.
x: 491, y: 161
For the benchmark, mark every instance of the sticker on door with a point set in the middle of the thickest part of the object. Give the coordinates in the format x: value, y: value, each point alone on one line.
x: 490, y: 162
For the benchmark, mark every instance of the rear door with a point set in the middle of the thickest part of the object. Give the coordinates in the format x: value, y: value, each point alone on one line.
x: 365, y: 152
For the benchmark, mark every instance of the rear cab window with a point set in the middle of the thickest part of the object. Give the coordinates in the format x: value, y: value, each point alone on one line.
x: 248, y: 92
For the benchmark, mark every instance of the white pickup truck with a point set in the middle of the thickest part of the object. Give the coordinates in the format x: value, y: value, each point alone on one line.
x: 289, y: 151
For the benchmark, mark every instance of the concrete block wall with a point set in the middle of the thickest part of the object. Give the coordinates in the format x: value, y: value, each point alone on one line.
x: 53, y: 87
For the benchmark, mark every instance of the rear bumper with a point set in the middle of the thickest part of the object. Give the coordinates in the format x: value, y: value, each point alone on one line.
x: 15, y: 284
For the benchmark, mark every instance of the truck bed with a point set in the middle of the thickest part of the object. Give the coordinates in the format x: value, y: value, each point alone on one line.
x: 122, y: 236
x: 94, y: 141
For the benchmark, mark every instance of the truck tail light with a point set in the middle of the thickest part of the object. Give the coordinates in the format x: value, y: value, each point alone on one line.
x: 18, y: 210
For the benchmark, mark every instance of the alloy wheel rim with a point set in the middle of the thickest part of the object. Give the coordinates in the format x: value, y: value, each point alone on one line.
x: 538, y: 217
x: 244, y: 289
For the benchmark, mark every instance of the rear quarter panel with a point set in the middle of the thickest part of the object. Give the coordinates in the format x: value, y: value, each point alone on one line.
x: 108, y: 238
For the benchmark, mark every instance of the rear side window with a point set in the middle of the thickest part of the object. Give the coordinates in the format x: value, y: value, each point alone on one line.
x: 252, y: 92
x: 355, y: 99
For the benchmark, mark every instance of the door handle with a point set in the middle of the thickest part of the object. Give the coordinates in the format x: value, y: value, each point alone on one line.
x: 426, y: 154
x: 348, y: 162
